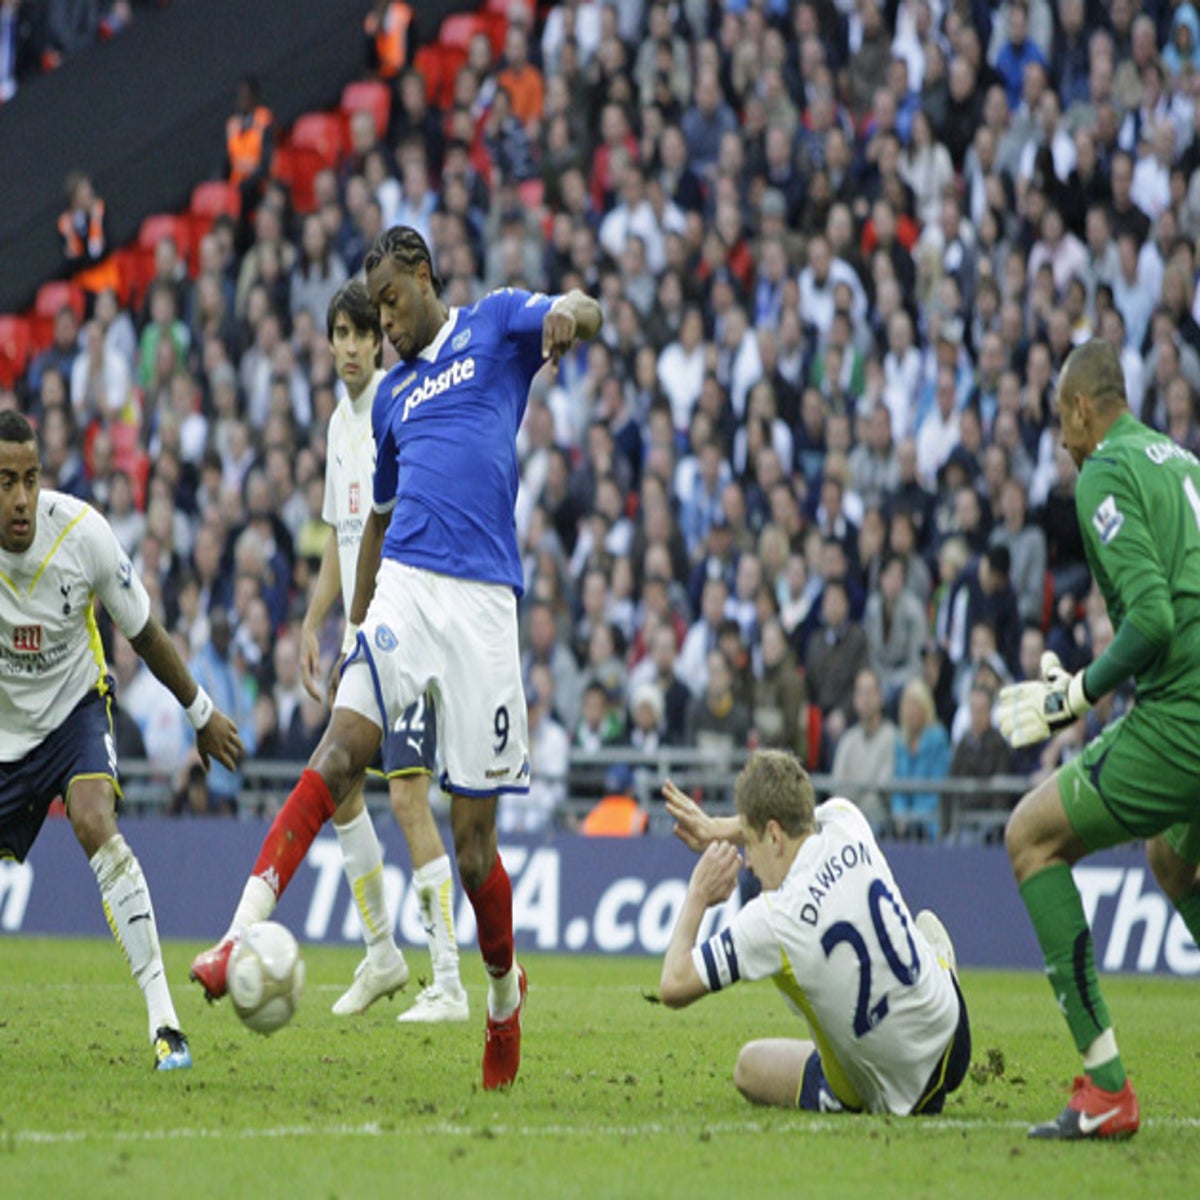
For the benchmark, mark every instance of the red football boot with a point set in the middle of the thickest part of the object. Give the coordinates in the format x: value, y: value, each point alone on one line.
x: 210, y: 968
x: 1093, y: 1113
x: 502, y: 1049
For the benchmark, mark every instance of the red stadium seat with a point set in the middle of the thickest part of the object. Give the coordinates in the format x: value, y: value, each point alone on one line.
x: 372, y: 95
x: 16, y: 347
x: 459, y: 28
x: 439, y: 65
x: 321, y: 132
x: 51, y: 296
x: 163, y: 225
x: 214, y: 198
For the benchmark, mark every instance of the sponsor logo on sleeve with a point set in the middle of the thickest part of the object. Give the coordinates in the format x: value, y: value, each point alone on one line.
x: 1107, y: 520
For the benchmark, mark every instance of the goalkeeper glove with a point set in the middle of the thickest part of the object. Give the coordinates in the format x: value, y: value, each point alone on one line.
x: 1030, y: 712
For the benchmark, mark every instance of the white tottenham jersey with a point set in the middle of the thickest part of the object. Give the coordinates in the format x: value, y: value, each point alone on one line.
x: 50, y: 651
x: 349, y: 479
x: 839, y: 942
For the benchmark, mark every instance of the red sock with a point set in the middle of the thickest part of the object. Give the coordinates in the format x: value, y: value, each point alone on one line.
x: 294, y: 829
x: 493, y: 920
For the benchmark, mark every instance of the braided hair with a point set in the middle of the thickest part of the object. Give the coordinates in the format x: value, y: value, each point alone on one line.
x: 406, y: 248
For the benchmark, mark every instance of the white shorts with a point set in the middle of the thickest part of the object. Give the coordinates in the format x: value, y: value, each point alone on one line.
x: 458, y: 638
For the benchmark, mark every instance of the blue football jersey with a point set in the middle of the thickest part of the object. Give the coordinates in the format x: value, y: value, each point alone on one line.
x: 445, y: 426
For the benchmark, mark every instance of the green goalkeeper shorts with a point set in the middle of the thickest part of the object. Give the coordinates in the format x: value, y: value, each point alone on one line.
x: 1139, y: 778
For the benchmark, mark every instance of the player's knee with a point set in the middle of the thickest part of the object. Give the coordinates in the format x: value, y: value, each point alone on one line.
x: 472, y: 869
x: 747, y: 1073
x: 92, y: 819
x: 1014, y: 841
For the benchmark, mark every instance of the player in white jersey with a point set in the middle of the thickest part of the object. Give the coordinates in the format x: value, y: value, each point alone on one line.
x: 444, y: 616
x: 889, y: 1026
x: 56, y: 736
x: 409, y: 750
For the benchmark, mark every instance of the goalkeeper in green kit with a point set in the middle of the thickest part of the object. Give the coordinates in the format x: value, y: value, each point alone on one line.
x: 1138, y: 500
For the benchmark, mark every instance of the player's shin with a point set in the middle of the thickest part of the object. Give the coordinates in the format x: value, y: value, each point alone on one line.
x: 363, y: 862
x: 1056, y: 910
x: 435, y: 892
x: 493, y: 917
x: 131, y: 918
x: 293, y: 831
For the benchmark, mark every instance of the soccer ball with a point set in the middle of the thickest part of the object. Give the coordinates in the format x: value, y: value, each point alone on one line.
x: 266, y: 977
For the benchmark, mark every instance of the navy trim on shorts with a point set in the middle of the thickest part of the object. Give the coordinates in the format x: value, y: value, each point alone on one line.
x: 953, y: 1065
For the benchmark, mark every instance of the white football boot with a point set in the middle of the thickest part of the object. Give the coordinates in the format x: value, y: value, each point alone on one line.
x: 371, y: 983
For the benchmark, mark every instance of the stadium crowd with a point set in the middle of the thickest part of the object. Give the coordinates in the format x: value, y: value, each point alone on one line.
x: 806, y: 489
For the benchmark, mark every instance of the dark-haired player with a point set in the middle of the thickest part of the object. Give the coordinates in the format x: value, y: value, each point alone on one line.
x: 1138, y: 501
x: 442, y: 613
x: 56, y: 733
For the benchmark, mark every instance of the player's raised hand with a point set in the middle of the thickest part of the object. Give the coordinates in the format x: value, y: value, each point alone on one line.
x: 558, y: 332
x: 693, y: 826
x: 1030, y: 712
x: 716, y: 873
x: 219, y: 739
x: 310, y: 663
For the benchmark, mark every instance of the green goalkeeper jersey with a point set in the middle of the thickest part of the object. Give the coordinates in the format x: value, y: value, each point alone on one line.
x: 1138, y: 501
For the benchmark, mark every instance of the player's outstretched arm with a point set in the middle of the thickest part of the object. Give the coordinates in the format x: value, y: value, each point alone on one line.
x: 329, y: 582
x: 573, y: 317
x: 695, y: 828
x: 216, y: 735
x: 712, y: 882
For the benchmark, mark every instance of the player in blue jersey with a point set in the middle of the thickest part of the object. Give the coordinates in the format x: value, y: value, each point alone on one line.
x: 440, y: 610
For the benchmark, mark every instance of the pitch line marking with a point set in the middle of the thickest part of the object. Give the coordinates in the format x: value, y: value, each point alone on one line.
x: 39, y: 1137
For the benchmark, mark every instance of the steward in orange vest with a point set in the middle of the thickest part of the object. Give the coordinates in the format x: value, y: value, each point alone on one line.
x: 249, y: 144
x: 81, y: 227
x: 388, y: 27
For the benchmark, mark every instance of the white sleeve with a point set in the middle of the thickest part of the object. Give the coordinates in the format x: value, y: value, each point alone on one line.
x: 328, y: 502
x: 747, y: 949
x: 121, y: 592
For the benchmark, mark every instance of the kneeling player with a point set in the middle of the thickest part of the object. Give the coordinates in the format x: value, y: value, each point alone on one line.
x: 889, y: 1025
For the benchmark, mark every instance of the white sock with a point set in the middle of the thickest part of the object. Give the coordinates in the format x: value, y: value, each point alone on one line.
x: 257, y: 904
x: 435, y: 893
x: 364, y: 873
x: 504, y: 994
x: 130, y: 916
x: 1102, y: 1050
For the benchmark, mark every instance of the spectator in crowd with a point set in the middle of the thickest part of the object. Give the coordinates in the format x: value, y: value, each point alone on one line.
x: 981, y: 753
x: 718, y: 722
x: 866, y: 752
x: 922, y: 752
x: 836, y: 652
x: 811, y: 323
x: 896, y: 628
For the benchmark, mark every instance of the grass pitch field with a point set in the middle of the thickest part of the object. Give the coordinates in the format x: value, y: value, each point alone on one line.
x: 617, y: 1097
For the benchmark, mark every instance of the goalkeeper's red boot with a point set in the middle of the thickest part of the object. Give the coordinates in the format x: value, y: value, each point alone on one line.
x: 210, y: 968
x: 502, y: 1049
x: 1093, y: 1113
